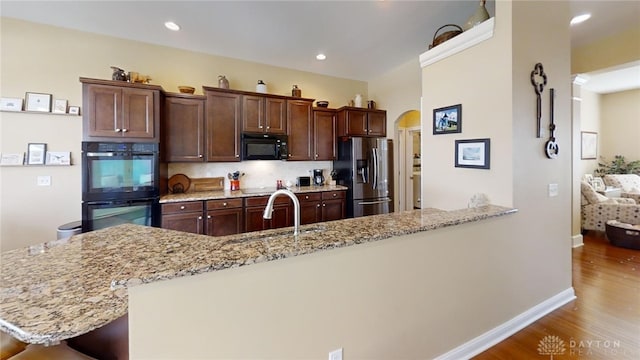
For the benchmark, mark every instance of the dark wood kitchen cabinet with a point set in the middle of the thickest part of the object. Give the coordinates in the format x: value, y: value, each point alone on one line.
x: 362, y: 122
x: 324, y: 134
x: 224, y: 217
x: 300, y: 130
x: 321, y: 206
x: 183, y: 216
x: 183, y: 128
x: 263, y: 114
x: 118, y: 110
x: 254, y: 209
x: 222, y: 125
x: 310, y: 207
x: 333, y: 205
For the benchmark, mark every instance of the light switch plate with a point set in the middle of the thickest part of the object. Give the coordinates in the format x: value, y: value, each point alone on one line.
x: 44, y: 180
x: 553, y: 190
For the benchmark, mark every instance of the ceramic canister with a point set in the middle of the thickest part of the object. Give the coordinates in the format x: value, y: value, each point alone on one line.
x: 261, y: 87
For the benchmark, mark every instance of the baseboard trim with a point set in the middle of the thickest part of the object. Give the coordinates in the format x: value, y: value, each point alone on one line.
x: 485, y: 341
x: 577, y: 241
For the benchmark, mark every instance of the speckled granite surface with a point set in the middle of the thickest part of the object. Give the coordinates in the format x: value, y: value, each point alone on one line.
x: 61, y: 289
x: 242, y: 193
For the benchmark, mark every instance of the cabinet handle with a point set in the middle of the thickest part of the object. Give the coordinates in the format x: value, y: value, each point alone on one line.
x: 199, y: 217
x: 237, y: 155
x: 200, y: 155
x: 324, y: 205
x: 318, y: 205
x: 316, y: 156
x: 259, y: 126
x: 334, y: 194
x: 268, y: 127
x: 182, y: 207
x: 117, y: 130
x: 208, y: 216
x: 124, y: 130
x: 306, y: 197
x: 224, y: 204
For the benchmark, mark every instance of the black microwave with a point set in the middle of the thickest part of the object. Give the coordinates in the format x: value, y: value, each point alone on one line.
x: 264, y: 147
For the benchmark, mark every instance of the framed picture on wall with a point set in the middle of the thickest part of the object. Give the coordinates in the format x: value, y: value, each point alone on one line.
x: 36, y: 153
x: 474, y: 153
x: 38, y: 102
x: 589, y: 145
x: 447, y: 120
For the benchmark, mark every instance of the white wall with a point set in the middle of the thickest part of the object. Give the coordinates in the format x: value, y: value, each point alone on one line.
x: 47, y: 59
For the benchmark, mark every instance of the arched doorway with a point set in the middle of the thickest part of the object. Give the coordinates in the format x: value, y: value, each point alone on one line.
x: 407, y: 128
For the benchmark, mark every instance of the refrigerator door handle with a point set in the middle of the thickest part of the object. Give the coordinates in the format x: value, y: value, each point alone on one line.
x: 374, y: 182
x: 374, y: 202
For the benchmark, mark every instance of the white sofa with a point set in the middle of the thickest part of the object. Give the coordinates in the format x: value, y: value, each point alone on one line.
x: 628, y: 183
x: 598, y: 209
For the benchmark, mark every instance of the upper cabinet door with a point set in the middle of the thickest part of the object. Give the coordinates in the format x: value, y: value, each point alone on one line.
x: 300, y: 130
x: 253, y: 119
x: 183, y: 129
x: 377, y: 123
x: 102, y: 109
x: 356, y: 122
x: 222, y: 126
x: 324, y: 134
x: 138, y: 113
x: 276, y: 116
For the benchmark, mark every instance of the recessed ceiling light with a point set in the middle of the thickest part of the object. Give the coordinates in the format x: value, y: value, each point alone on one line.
x: 580, y: 18
x: 321, y: 56
x: 172, y: 26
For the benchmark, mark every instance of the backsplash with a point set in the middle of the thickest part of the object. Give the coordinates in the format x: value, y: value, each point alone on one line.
x: 258, y: 173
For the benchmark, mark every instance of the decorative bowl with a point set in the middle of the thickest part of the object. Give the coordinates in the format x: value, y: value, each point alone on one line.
x: 186, y: 89
x: 322, y: 103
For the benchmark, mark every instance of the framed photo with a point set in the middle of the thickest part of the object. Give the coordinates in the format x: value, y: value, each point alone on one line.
x: 36, y: 153
x: 38, y: 102
x: 11, y: 104
x: 75, y: 110
x: 12, y: 159
x: 60, y: 106
x: 447, y: 120
x: 58, y: 158
x: 589, y: 145
x: 473, y: 153
x: 598, y: 184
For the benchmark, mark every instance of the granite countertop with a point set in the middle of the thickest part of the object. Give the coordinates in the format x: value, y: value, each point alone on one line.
x: 242, y: 193
x: 64, y: 288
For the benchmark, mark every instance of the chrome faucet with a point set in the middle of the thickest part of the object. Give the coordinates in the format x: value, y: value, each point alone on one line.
x: 268, y: 210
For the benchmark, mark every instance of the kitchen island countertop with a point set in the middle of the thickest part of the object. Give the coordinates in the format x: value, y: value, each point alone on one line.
x: 61, y: 289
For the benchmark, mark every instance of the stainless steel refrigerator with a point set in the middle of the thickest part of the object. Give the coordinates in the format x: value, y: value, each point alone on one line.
x: 365, y: 167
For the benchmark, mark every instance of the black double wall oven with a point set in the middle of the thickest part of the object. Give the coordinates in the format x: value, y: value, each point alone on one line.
x: 120, y: 184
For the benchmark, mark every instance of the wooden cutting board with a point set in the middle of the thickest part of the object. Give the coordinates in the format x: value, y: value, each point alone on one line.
x: 206, y: 184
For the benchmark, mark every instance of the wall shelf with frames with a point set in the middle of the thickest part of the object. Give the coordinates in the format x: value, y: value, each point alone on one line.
x: 38, y: 112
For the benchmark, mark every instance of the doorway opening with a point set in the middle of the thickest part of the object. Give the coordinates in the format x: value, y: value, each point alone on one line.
x: 409, y: 170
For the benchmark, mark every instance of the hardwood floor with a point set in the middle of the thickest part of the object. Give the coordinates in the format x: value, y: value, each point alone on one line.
x: 602, y: 323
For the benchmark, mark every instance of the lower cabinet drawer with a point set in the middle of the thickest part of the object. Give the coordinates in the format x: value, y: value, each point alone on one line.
x: 182, y: 207
x: 224, y: 204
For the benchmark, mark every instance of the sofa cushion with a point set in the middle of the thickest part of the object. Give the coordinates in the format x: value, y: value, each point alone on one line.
x: 627, y: 182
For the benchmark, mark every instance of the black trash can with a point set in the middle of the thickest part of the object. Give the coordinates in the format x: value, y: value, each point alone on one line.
x: 69, y: 229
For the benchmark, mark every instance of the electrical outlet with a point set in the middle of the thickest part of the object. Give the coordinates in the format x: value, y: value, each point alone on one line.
x: 336, y: 354
x: 553, y: 190
x: 44, y: 180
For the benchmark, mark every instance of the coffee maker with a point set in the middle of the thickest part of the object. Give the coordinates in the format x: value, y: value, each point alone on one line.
x: 318, y: 178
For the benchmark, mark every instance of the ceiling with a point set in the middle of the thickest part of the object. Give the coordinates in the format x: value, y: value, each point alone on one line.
x: 360, y: 38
